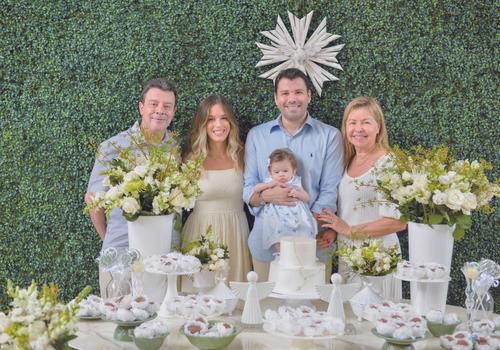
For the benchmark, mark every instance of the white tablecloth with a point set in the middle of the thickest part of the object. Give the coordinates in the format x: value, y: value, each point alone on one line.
x: 95, y: 335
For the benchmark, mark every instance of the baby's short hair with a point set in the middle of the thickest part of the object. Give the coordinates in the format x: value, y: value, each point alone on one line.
x: 281, y: 154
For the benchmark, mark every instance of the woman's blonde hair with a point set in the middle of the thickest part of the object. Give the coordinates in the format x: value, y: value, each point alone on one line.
x: 198, y: 139
x: 373, y: 106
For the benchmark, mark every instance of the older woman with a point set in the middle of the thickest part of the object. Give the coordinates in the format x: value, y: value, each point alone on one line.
x: 359, y: 214
x: 215, y: 133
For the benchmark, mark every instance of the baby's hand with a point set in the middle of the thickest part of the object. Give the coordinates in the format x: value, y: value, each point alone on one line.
x: 293, y: 193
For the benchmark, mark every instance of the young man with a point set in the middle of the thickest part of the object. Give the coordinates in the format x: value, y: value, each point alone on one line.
x: 317, y: 147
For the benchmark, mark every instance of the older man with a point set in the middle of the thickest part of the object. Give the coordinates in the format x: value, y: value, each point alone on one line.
x: 317, y: 147
x: 157, y: 106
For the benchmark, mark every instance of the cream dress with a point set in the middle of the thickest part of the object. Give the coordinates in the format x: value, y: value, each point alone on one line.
x: 354, y: 210
x: 220, y: 204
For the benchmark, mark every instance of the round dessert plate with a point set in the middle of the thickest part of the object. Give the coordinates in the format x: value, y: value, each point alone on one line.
x: 90, y: 318
x: 310, y: 296
x: 397, y: 344
x: 423, y: 280
x: 124, y: 328
x: 175, y: 273
x: 267, y: 329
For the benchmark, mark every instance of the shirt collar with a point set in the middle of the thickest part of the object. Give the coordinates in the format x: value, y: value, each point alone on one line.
x: 276, y: 123
x: 137, y: 128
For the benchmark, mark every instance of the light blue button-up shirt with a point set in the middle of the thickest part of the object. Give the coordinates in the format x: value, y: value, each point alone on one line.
x: 318, y: 150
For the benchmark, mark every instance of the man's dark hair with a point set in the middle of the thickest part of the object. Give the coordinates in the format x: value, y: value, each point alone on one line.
x: 162, y: 84
x: 291, y: 74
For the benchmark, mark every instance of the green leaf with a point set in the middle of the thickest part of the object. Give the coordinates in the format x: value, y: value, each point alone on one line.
x: 464, y: 220
x: 459, y: 233
x: 435, y: 219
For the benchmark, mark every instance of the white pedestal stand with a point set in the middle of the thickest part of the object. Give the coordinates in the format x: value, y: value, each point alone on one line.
x: 171, y: 291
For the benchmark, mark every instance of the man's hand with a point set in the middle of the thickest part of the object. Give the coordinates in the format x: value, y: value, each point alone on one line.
x: 97, y: 216
x: 279, y: 195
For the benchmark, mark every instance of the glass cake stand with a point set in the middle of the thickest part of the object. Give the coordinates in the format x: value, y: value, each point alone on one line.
x: 171, y: 290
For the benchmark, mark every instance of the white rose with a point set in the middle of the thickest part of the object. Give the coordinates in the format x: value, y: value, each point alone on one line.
x: 113, y: 193
x: 148, y: 180
x: 212, y: 267
x: 470, y: 203
x: 214, y: 257
x: 475, y: 164
x: 141, y: 170
x: 447, y: 178
x: 420, y: 181
x: 130, y: 205
x: 220, y: 253
x: 454, y: 199
x: 129, y: 177
x: 439, y: 197
x: 387, y: 267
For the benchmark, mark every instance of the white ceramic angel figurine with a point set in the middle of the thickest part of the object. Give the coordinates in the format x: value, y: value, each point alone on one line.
x: 252, y: 292
x: 333, y: 295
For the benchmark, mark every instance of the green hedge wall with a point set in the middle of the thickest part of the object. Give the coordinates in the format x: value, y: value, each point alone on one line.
x: 71, y: 72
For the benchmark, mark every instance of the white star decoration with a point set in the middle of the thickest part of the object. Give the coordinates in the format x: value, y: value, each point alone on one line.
x: 297, y: 53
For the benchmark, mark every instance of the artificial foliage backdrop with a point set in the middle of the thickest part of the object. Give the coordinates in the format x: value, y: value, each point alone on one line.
x: 71, y: 73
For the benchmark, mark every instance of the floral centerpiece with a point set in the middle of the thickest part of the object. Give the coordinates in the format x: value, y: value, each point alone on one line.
x: 149, y: 179
x: 37, y: 320
x: 212, y: 255
x: 429, y: 186
x: 370, y: 258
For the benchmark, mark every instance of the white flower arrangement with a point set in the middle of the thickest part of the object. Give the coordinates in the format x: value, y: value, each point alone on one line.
x: 212, y: 255
x: 431, y: 187
x: 371, y: 258
x: 37, y: 320
x: 149, y: 179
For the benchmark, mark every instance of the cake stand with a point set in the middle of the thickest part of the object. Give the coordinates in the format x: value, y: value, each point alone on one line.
x: 124, y: 329
x: 396, y: 344
x: 295, y: 300
x: 299, y: 340
x: 425, y: 292
x: 171, y: 290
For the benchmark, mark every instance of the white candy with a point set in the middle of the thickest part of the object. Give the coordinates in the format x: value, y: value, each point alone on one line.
x: 450, y: 318
x: 385, y: 328
x: 125, y: 315
x: 151, y: 329
x: 402, y: 333
x: 435, y: 316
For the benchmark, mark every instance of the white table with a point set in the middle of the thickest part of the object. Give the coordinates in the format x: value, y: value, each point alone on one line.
x: 95, y: 335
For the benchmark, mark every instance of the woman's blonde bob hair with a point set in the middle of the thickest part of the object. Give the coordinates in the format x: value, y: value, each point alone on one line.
x: 198, y: 139
x: 374, y: 108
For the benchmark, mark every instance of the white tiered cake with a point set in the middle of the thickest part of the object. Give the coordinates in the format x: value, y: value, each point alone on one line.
x: 296, y: 271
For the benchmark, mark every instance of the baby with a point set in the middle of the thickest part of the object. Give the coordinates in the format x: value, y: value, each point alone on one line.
x: 281, y: 220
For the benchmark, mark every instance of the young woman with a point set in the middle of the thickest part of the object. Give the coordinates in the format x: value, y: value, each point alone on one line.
x: 215, y: 133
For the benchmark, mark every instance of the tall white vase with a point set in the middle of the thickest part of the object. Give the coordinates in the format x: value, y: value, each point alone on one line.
x: 152, y: 235
x: 430, y: 244
x: 382, y: 285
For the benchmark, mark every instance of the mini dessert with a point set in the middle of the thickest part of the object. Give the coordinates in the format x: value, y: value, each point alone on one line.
x: 483, y: 326
x: 302, y: 321
x: 429, y: 271
x: 173, y: 262
x: 191, y: 305
x: 435, y: 316
x: 151, y: 329
x: 90, y: 307
x: 127, y: 308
